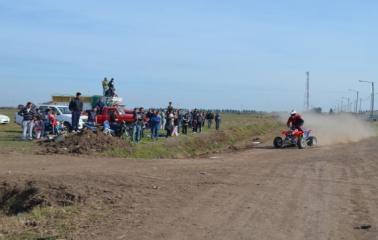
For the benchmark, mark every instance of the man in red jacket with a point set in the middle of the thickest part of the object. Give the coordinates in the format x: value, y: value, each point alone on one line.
x: 295, y: 121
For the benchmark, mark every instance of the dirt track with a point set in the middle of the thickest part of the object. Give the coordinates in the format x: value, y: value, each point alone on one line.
x: 262, y: 193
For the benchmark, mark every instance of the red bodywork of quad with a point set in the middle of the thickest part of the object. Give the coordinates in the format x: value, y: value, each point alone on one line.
x: 295, y: 133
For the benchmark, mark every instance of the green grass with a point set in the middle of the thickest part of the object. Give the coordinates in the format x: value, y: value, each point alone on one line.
x: 10, y: 135
x: 57, y: 223
x: 235, y: 129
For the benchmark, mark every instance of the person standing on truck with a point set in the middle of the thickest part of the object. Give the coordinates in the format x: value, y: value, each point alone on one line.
x: 105, y: 86
x: 170, y: 108
x: 76, y: 107
x: 27, y: 113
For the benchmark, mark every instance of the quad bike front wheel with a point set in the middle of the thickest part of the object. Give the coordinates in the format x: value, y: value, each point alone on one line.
x: 302, y: 143
x: 278, y: 142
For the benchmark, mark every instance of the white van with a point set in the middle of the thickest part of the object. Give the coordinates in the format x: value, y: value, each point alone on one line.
x: 63, y: 115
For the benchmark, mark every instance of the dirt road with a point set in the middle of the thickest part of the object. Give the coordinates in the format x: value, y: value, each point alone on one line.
x: 321, y: 193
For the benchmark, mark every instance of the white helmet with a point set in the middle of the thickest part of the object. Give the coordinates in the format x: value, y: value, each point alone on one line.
x: 293, y: 112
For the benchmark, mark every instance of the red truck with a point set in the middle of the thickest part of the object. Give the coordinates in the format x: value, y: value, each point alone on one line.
x: 120, y: 113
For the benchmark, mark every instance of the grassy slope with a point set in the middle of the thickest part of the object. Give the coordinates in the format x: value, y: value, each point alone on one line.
x: 10, y: 135
x: 234, y: 130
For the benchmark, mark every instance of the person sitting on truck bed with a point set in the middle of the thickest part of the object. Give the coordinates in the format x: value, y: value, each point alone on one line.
x: 100, y: 105
x: 114, y: 124
x: 91, y: 122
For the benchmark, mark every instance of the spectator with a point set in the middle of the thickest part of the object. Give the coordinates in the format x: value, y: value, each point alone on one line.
x: 170, y: 108
x: 137, y: 125
x: 76, y: 107
x: 91, y: 122
x: 200, y: 121
x: 115, y: 126
x: 27, y: 113
x: 203, y: 119
x: 209, y: 118
x: 142, y: 123
x: 111, y: 84
x: 185, y: 123
x: 175, y: 131
x: 100, y: 105
x: 194, y: 120
x: 111, y: 91
x: 149, y: 115
x: 169, y: 125
x: 53, y: 121
x: 38, y: 126
x: 155, y: 125
x: 105, y: 86
x: 218, y: 120
x: 162, y: 119
x: 179, y: 116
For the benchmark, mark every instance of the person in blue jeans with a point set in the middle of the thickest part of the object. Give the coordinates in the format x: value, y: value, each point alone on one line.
x: 76, y: 107
x: 155, y: 125
x: 28, y: 114
x: 138, y: 125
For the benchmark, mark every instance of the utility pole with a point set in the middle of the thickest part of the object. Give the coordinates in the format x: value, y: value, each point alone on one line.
x: 308, y: 91
x: 360, y: 105
x: 356, y: 103
x: 372, y: 97
x: 348, y: 106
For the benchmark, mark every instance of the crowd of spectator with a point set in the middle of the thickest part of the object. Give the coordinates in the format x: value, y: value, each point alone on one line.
x: 170, y: 122
x: 37, y: 124
x: 166, y: 122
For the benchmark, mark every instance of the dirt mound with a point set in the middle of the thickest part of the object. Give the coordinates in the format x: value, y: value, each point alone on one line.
x: 23, y: 197
x: 84, y: 143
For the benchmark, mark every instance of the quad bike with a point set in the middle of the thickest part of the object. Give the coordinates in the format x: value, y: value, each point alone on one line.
x: 300, y: 138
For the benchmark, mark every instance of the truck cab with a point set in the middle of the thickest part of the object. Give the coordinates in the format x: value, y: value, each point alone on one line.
x: 121, y: 115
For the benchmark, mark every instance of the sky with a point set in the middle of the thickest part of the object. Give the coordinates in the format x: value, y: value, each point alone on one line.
x: 240, y: 54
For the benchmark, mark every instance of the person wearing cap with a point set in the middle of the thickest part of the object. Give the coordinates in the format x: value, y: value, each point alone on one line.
x: 76, y: 107
x: 105, y: 86
x: 295, y: 121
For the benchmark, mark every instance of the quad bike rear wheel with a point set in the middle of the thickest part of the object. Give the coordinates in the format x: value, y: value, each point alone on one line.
x: 278, y: 142
x: 312, y: 141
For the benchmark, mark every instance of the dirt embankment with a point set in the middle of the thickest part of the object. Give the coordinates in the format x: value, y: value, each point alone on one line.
x: 85, y: 142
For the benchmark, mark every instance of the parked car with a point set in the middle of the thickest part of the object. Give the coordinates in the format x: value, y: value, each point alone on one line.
x: 4, y: 119
x: 62, y: 112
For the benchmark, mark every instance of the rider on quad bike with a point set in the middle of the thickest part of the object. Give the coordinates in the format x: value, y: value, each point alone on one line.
x: 295, y: 121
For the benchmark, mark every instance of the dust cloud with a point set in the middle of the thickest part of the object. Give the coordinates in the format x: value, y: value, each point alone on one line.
x: 337, y: 128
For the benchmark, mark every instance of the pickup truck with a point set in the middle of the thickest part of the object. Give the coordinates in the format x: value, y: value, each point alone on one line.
x: 122, y: 115
x: 62, y: 112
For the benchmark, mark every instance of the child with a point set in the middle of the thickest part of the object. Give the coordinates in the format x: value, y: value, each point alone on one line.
x: 38, y: 126
x: 53, y: 122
